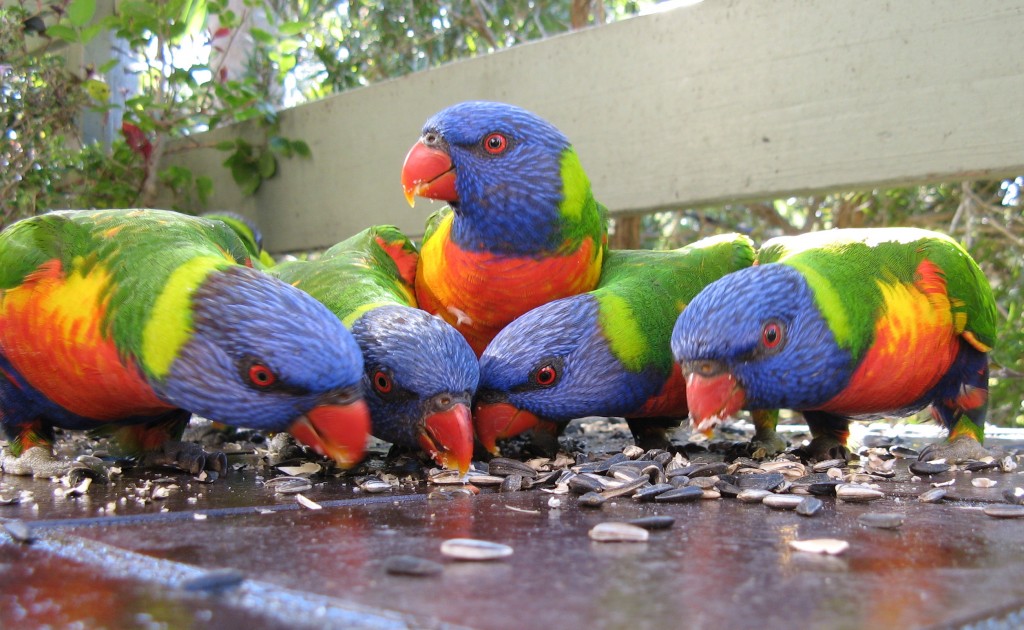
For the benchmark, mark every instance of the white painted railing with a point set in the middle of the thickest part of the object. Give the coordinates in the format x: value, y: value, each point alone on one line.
x: 724, y: 100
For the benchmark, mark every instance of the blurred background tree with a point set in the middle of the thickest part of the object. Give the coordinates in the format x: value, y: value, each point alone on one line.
x: 199, y: 64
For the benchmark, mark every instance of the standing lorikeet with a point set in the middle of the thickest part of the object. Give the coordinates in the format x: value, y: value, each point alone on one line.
x: 605, y: 352
x: 420, y: 374
x: 523, y: 227
x: 131, y: 320
x: 845, y: 324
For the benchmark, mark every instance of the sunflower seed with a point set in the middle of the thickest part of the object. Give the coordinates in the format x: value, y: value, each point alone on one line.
x: 999, y: 510
x: 305, y: 470
x: 592, y: 499
x: 822, y: 466
x: 761, y: 481
x: 809, y: 506
x: 473, y: 549
x: 935, y: 495
x: 308, y: 503
x: 881, y: 520
x: 782, y: 501
x: 752, y: 495
x: 633, y: 451
x: 618, y: 532
x: 982, y: 465
x: 653, y: 522
x: 503, y: 466
x: 650, y: 492
x: 928, y: 468
x: 679, y: 495
x: 411, y: 565
x: 854, y: 493
x: 512, y: 483
x: 626, y: 488
x: 582, y: 484
x: 830, y: 546
x: 289, y: 485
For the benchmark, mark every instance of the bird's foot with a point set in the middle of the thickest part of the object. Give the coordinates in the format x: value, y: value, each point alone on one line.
x: 35, y: 462
x: 187, y: 456
x: 765, y: 446
x: 822, y: 448
x: 960, y: 449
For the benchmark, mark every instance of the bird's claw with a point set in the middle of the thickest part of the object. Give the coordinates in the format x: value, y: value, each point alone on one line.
x: 188, y: 457
x: 960, y: 449
x: 35, y: 462
x: 822, y: 448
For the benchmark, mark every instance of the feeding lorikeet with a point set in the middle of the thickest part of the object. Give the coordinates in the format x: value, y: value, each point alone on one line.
x: 523, y: 227
x: 844, y: 324
x: 131, y: 320
x: 606, y: 352
x: 420, y: 374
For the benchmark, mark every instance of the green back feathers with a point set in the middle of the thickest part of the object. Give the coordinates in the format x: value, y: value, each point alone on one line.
x: 249, y: 234
x: 642, y: 292
x: 844, y: 269
x: 356, y: 275
x: 175, y: 251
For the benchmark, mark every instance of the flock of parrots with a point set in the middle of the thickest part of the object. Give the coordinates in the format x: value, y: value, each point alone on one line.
x: 513, y: 315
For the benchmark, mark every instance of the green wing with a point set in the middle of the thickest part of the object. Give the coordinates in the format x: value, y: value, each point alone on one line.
x: 367, y: 270
x: 642, y: 292
x: 248, y: 232
x: 845, y: 268
x: 138, y: 249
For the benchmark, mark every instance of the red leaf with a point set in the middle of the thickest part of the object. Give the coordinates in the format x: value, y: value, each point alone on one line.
x: 137, y: 140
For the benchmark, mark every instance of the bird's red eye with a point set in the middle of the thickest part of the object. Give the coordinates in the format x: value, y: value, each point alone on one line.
x: 495, y: 143
x: 382, y: 382
x: 771, y: 336
x: 261, y: 376
x: 546, y: 376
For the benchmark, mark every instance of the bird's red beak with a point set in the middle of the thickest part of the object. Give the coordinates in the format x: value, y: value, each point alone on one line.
x: 496, y: 421
x: 448, y: 437
x: 428, y: 172
x: 338, y: 431
x: 712, y: 399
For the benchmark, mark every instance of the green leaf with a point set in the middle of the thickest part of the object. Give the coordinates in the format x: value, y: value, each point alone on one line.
x: 79, y: 12
x: 204, y: 188
x: 90, y: 32
x: 268, y: 165
x: 225, y: 145
x: 289, y: 29
x: 63, y: 32
x: 301, y: 149
x: 261, y: 36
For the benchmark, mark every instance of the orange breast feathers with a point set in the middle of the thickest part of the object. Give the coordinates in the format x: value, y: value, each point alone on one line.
x: 480, y: 293
x: 50, y: 331
x: 915, y: 344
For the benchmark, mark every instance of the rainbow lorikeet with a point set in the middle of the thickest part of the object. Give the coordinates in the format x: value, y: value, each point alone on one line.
x: 523, y: 227
x: 605, y: 352
x: 131, y: 320
x: 420, y: 374
x: 845, y: 324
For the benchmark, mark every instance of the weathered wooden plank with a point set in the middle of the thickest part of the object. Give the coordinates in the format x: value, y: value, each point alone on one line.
x: 724, y: 100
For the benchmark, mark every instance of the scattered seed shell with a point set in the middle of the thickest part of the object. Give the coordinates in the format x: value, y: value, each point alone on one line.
x: 753, y: 495
x: 474, y: 549
x: 307, y: 502
x: 881, y: 520
x: 782, y: 501
x: 855, y: 493
x: 830, y: 546
x: 592, y: 499
x: 20, y: 531
x: 1000, y: 510
x: 653, y: 522
x: 983, y: 482
x: 680, y: 495
x: 305, y: 470
x: 935, y: 495
x: 215, y: 581
x: 809, y: 506
x: 618, y: 532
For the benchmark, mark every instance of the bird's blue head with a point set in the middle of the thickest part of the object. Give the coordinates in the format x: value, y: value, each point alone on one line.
x: 263, y: 354
x: 419, y: 378
x: 755, y: 339
x: 500, y: 167
x: 554, y: 363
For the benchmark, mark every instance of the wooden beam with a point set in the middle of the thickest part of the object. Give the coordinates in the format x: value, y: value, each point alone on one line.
x: 722, y: 101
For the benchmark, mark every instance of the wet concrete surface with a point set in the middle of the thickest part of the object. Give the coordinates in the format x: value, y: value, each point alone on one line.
x: 236, y: 554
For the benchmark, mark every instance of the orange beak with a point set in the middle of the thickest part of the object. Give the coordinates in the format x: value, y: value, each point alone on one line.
x: 712, y: 399
x: 448, y: 437
x: 428, y: 173
x: 496, y: 421
x: 338, y: 431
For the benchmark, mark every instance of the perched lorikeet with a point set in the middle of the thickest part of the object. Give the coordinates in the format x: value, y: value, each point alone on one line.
x: 131, y: 320
x: 605, y: 352
x: 420, y: 374
x: 845, y: 324
x: 523, y: 227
